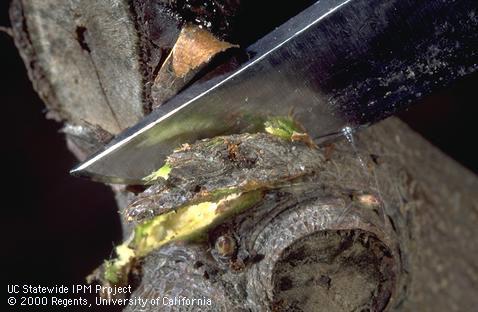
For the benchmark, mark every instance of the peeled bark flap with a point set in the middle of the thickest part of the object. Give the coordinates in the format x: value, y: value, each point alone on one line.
x: 193, y: 50
x: 201, y: 46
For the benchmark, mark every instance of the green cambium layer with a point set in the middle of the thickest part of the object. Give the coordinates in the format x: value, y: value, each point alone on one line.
x: 282, y: 127
x: 161, y: 173
x: 189, y: 223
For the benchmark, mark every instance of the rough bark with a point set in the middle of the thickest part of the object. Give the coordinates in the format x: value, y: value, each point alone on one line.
x: 387, y: 223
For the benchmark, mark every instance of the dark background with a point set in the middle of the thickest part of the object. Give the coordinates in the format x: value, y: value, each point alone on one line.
x: 57, y: 228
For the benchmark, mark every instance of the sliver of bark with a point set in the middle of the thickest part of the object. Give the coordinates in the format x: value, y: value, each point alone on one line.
x: 231, y: 163
x: 193, y: 50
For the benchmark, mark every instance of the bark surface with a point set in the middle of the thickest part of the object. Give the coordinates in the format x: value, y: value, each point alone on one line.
x: 387, y: 224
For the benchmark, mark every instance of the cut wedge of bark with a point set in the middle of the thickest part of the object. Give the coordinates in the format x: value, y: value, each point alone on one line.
x: 193, y: 50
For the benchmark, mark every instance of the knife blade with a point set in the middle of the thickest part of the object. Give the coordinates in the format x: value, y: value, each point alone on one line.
x: 339, y: 63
